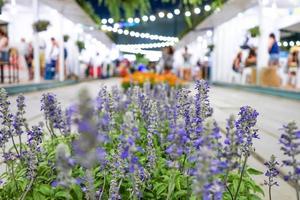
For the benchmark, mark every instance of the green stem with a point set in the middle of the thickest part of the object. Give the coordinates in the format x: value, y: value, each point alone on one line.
x: 27, y: 189
x: 171, y: 186
x: 297, y: 190
x: 14, y: 177
x: 183, y: 163
x: 241, y: 178
x: 15, y: 146
x: 52, y: 129
x: 20, y: 143
x: 90, y: 182
x: 270, y: 192
x: 231, y: 195
x: 100, y: 196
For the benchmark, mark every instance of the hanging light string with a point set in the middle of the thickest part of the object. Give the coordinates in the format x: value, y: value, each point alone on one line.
x: 166, y: 40
x: 290, y: 43
x: 138, y: 34
x: 159, y: 15
x: 146, y: 45
x: 140, y: 51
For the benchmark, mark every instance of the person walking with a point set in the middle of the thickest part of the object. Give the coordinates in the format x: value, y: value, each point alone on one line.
x: 51, y: 66
x: 273, y: 51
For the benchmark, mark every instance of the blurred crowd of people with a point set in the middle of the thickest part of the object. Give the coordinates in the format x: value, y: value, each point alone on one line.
x: 247, y: 66
x: 22, y: 55
x: 184, y: 67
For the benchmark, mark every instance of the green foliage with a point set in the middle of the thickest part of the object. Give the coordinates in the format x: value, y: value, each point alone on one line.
x: 88, y: 8
x: 80, y: 45
x: 40, y: 25
x: 140, y: 59
x: 128, y: 6
x: 249, y: 190
x: 163, y: 182
x: 66, y: 38
x: 254, y: 32
x: 46, y: 174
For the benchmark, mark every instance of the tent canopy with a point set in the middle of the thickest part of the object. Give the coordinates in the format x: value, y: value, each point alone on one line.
x: 71, y: 10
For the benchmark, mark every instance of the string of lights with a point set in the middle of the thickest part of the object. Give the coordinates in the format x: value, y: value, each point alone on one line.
x: 145, y: 46
x: 159, y: 15
x: 141, y: 51
x: 290, y: 43
x: 119, y: 31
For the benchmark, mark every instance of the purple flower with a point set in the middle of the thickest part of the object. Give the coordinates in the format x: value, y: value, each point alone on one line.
x: 205, y: 174
x: 271, y: 172
x: 6, y: 129
x: 34, y: 141
x: 19, y: 119
x: 245, y: 129
x: 290, y: 145
x: 202, y: 105
x: 69, y: 113
x: 230, y: 150
x: 52, y: 113
x: 63, y: 166
x: 88, y: 146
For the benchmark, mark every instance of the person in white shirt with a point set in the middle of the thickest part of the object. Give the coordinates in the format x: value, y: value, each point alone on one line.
x: 52, y: 60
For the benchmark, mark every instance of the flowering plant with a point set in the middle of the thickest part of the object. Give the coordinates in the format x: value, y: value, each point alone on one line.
x: 142, y: 143
x: 140, y: 78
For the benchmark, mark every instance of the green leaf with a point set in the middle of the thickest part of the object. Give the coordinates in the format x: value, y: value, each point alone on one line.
x: 177, y: 183
x: 157, y: 185
x: 161, y: 189
x: 38, y: 196
x: 242, y: 198
x: 61, y: 194
x: 76, y: 192
x: 180, y: 194
x: 45, y: 190
x: 254, y: 197
x: 253, y: 171
x: 235, y: 184
x: 258, y: 189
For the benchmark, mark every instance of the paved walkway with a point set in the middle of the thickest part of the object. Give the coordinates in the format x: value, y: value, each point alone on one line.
x: 274, y: 112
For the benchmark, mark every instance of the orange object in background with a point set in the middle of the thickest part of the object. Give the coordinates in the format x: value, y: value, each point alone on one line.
x: 143, y: 77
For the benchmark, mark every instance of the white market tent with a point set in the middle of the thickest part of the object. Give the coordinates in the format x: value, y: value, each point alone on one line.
x: 66, y: 17
x: 230, y: 25
x: 71, y: 10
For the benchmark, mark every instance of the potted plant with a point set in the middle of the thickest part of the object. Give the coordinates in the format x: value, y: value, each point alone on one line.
x: 80, y: 45
x: 40, y: 25
x: 254, y: 32
x: 66, y: 38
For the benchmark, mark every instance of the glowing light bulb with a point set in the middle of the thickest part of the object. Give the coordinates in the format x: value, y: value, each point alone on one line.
x: 104, y: 21
x: 152, y: 18
x: 110, y: 20
x: 126, y: 32
x: 197, y: 11
x: 161, y: 14
x: 145, y: 18
x: 187, y: 13
x: 177, y: 11
x: 137, y: 20
x: 130, y: 20
x: 207, y: 8
x: 169, y: 15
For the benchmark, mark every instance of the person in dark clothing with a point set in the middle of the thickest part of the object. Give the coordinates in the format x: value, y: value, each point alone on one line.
x: 168, y: 59
x: 273, y: 51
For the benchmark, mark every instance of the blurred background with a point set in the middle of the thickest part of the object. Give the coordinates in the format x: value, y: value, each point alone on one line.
x: 253, y: 42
